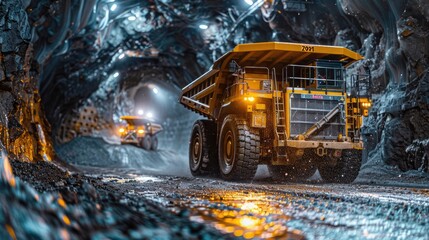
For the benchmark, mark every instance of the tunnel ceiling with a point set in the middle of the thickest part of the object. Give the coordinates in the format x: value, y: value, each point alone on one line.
x: 80, y: 43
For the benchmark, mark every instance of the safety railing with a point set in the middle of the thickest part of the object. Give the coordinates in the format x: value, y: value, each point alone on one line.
x: 314, y: 78
x: 359, y: 86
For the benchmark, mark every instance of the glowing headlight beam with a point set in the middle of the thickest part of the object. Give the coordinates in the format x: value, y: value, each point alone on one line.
x: 249, y: 2
x: 204, y: 26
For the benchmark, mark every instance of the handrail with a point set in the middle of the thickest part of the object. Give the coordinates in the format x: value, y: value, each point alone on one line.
x: 314, y: 73
x: 256, y: 67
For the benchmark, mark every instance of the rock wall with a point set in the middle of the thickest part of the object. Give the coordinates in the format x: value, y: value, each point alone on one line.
x: 398, y: 32
x: 23, y: 128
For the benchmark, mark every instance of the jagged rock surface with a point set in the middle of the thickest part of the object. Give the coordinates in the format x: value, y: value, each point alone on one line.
x: 23, y: 128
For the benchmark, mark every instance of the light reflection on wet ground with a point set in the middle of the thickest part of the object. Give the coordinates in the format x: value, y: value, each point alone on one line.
x: 302, y: 211
x: 242, y: 214
x: 264, y: 210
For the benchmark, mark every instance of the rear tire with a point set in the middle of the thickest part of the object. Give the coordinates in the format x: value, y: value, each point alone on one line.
x: 146, y: 142
x: 239, y: 149
x: 303, y: 169
x: 202, y: 149
x: 345, y: 171
x: 154, y: 143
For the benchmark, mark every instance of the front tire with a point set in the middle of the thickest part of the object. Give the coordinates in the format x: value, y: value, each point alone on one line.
x: 345, y: 170
x: 146, y: 142
x: 202, y: 149
x: 239, y: 149
x: 154, y: 144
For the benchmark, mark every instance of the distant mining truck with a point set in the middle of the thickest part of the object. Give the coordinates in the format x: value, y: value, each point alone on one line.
x: 289, y: 106
x: 140, y: 131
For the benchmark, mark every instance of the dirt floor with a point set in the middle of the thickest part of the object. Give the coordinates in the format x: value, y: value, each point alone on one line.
x: 263, y: 209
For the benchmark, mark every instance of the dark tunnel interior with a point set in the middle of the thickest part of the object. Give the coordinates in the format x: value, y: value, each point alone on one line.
x: 75, y: 73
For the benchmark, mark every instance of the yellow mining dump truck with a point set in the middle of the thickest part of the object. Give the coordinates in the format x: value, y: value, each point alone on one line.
x: 140, y: 131
x: 286, y: 105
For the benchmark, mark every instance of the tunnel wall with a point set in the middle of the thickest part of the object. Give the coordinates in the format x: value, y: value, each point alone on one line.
x: 24, y: 132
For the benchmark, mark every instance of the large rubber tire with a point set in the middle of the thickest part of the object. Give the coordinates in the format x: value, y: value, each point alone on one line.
x: 154, y: 143
x: 345, y: 171
x: 239, y: 149
x: 202, y: 149
x: 145, y: 142
x: 303, y: 169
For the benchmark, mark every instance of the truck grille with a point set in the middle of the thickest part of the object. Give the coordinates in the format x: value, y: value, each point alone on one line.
x: 307, y: 109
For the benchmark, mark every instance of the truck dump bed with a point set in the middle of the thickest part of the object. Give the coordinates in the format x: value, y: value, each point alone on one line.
x: 204, y: 95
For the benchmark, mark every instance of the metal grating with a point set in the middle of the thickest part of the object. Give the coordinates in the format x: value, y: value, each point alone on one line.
x: 306, y: 110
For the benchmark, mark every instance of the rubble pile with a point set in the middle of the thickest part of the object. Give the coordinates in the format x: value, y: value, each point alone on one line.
x: 76, y: 207
x: 96, y: 152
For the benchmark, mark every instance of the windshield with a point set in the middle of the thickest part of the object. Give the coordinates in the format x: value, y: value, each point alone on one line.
x: 137, y: 122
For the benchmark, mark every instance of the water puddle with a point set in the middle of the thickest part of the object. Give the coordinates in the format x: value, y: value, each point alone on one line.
x: 242, y: 214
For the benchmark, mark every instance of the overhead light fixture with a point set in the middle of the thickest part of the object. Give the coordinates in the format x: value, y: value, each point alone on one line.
x: 132, y: 18
x: 149, y: 115
x: 203, y: 26
x: 114, y: 7
x: 250, y: 2
x: 140, y: 112
x: 155, y: 90
x: 116, y: 74
x: 121, y: 56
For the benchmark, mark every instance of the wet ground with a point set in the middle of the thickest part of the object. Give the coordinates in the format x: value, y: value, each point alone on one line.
x: 117, y: 192
x: 263, y: 209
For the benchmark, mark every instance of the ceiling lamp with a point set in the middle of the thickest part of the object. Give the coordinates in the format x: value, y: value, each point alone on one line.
x: 203, y: 26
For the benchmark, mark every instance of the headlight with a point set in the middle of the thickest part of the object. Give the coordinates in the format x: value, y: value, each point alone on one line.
x: 250, y: 99
x: 121, y: 130
x: 366, y: 104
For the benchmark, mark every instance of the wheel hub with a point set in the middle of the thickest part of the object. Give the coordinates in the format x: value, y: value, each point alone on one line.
x: 229, y: 149
x: 196, y: 150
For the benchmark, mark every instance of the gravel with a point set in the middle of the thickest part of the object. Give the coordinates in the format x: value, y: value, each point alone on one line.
x: 60, y: 204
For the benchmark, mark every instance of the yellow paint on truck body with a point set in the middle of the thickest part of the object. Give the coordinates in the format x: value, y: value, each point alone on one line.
x: 251, y: 77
